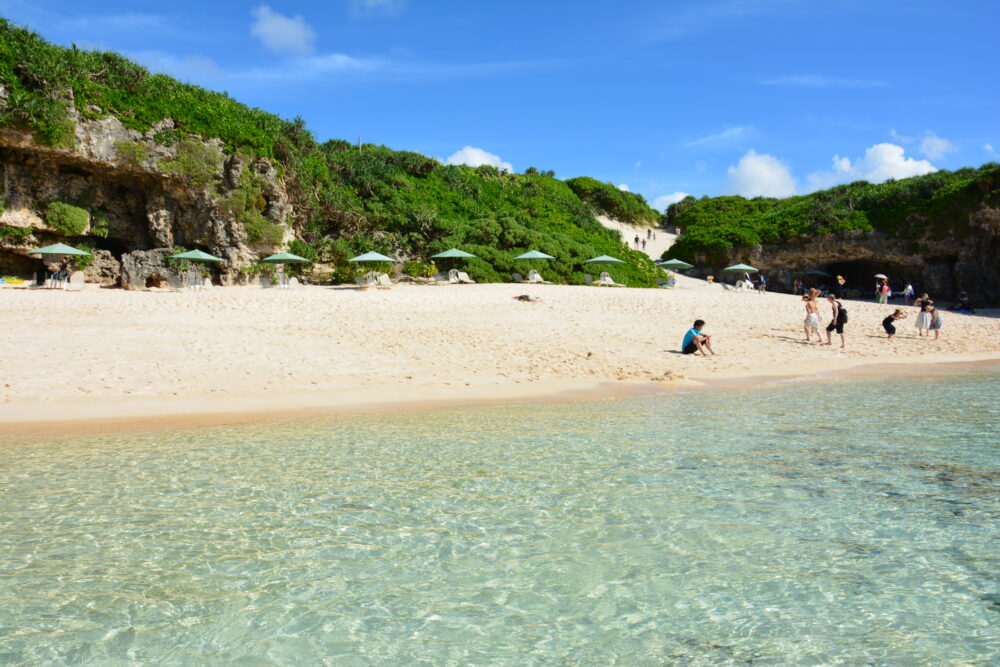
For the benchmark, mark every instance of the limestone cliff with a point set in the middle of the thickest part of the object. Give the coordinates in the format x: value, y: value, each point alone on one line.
x: 141, y: 201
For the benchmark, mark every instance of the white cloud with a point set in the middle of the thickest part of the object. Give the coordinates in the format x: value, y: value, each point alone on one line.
x: 475, y: 157
x: 727, y: 135
x: 193, y: 68
x: 386, y: 7
x: 638, y: 164
x: 880, y: 163
x: 311, y: 69
x: 900, y: 138
x: 282, y: 34
x: 819, y: 81
x: 661, y: 203
x: 623, y: 187
x: 936, y: 147
x: 989, y: 148
x: 760, y: 175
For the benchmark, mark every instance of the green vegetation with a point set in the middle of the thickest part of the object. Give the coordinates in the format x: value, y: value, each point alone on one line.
x: 937, y: 204
x: 82, y: 262
x: 67, y: 219
x: 246, y: 203
x: 131, y: 154
x: 15, y: 234
x: 420, y: 269
x: 345, y: 199
x: 625, y: 206
x: 195, y: 161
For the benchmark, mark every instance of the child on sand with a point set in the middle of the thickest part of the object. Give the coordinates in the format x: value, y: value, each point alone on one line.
x: 696, y: 340
x: 887, y: 323
x: 812, y: 318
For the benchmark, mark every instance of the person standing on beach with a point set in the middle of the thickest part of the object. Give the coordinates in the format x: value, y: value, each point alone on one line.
x: 887, y: 323
x: 761, y: 284
x: 812, y: 318
x: 923, y: 322
x: 838, y: 289
x: 696, y: 340
x: 837, y: 321
x: 935, y: 323
x: 908, y: 293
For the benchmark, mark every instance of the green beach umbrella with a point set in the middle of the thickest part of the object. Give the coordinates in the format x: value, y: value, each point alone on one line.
x: 603, y: 259
x: 674, y: 264
x: 454, y: 253
x: 197, y: 256
x: 741, y: 267
x: 284, y: 258
x: 371, y: 257
x: 534, y: 254
x: 60, y: 249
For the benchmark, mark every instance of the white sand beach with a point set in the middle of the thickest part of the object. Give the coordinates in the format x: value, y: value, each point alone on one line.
x: 109, y: 355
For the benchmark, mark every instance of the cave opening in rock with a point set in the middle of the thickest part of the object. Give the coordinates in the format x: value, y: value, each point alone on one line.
x: 860, y: 275
x: 157, y: 281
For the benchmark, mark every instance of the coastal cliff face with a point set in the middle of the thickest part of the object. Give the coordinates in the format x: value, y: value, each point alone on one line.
x: 941, y: 265
x: 143, y: 199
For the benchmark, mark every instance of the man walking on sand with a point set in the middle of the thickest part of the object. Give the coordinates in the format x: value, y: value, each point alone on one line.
x: 837, y: 322
x: 696, y: 340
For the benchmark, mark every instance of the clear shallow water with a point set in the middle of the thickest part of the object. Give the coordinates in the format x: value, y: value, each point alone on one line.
x: 808, y: 523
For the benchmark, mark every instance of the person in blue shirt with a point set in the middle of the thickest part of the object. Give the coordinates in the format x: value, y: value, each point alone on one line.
x: 697, y: 340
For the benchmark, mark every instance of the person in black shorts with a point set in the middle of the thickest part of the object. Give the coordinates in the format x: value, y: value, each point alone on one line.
x: 888, y: 325
x: 837, y: 321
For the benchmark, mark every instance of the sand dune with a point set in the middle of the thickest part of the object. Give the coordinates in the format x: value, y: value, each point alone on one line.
x: 110, y: 353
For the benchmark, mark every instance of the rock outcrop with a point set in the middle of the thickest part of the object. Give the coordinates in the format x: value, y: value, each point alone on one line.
x: 139, y: 210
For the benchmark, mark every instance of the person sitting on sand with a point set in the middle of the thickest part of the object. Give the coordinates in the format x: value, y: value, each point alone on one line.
x: 696, y: 340
x: 887, y: 323
x: 837, y: 321
x: 812, y: 318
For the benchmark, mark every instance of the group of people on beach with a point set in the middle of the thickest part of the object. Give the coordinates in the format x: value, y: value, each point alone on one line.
x: 928, y: 318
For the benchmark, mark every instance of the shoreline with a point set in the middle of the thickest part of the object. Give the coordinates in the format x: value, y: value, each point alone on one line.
x: 76, y: 417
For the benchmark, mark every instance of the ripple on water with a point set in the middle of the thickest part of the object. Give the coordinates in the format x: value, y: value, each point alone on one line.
x: 805, y: 523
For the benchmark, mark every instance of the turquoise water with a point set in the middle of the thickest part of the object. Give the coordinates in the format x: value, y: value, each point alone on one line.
x: 854, y: 522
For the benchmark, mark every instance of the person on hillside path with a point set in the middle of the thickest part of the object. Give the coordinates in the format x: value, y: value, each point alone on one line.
x: 812, y: 318
x: 636, y: 241
x: 837, y: 321
x: 888, y: 325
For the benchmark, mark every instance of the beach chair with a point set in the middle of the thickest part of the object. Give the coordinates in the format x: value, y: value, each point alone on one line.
x: 587, y: 278
x: 265, y: 282
x: 362, y: 282
x: 726, y: 287
x: 383, y: 281
x: 175, y: 282
x: 463, y: 277
x: 207, y: 284
x: 75, y: 282
x: 453, y: 276
x: 441, y: 279
x: 518, y: 278
x: 608, y: 281
x: 535, y: 278
x: 293, y: 283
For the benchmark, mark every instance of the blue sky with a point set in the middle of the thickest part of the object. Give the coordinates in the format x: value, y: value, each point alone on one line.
x: 752, y: 97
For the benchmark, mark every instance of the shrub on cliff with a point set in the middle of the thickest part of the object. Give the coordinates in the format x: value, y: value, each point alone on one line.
x: 67, y: 219
x: 625, y: 206
x: 196, y: 162
x: 934, y: 204
x: 130, y: 154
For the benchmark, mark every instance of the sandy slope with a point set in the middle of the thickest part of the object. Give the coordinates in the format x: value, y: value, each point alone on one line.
x: 111, y: 353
